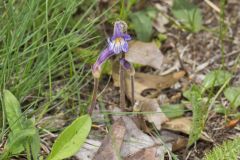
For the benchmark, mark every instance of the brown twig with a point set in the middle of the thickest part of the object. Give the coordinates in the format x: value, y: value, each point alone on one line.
x: 180, y: 61
x: 94, y: 96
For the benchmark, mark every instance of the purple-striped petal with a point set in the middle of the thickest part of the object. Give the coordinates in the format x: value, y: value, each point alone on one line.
x: 105, y: 54
x: 116, y: 45
x: 111, y: 45
x: 127, y: 37
x: 118, y: 29
x: 125, y: 47
x: 117, y: 48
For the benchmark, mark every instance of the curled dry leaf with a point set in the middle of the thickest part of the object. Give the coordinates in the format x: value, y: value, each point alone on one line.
x: 151, y: 153
x: 184, y: 125
x: 178, y: 141
x: 134, y: 140
x: 146, y: 85
x: 145, y: 54
x: 110, y: 148
x: 151, y: 85
x: 157, y: 117
x: 88, y: 150
x: 138, y: 145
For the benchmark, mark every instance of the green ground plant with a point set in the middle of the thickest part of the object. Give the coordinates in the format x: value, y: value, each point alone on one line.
x: 40, y: 65
x: 203, y: 99
x: 228, y: 150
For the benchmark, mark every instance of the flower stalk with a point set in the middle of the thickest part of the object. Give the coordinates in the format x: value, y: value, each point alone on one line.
x: 94, y: 96
x: 117, y: 44
x: 122, y: 85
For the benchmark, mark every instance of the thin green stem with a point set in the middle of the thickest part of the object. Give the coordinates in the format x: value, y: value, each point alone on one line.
x: 122, y: 11
x: 48, y: 52
x: 222, y: 28
x: 216, y: 96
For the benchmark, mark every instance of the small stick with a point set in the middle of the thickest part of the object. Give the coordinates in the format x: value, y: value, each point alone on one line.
x: 94, y: 96
x: 122, y: 86
x: 180, y: 61
x: 212, y: 5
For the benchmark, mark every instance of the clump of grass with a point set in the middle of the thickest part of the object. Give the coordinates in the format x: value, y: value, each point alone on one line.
x: 228, y: 150
x: 38, y: 60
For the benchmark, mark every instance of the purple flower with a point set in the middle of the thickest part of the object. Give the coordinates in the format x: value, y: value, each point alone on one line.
x: 116, y: 44
x: 104, y: 55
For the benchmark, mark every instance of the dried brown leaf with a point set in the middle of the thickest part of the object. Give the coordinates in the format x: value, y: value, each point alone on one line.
x: 150, y: 153
x: 157, y: 117
x: 178, y: 141
x: 134, y: 139
x: 88, y: 150
x: 184, y: 125
x: 110, y: 148
x: 146, y: 83
x: 145, y: 54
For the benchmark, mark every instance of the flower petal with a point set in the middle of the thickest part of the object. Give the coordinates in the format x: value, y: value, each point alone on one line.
x: 105, y: 54
x: 111, y: 45
x: 125, y: 46
x: 117, y: 48
x: 118, y: 29
x: 127, y: 37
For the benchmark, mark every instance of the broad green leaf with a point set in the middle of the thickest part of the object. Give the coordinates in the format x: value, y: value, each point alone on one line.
x: 13, y: 111
x: 16, y: 149
x: 188, y: 14
x: 34, y: 141
x: 142, y: 24
x: 19, y: 138
x: 71, y: 139
x: 20, y: 127
x: 151, y: 12
x: 233, y: 95
x: 216, y: 78
x: 14, y: 118
x: 35, y: 145
x: 173, y: 110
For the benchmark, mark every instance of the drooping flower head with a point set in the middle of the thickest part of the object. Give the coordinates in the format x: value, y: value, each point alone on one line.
x: 116, y: 44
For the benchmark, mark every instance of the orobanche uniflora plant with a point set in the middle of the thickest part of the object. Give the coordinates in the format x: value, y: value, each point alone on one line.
x: 117, y: 46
